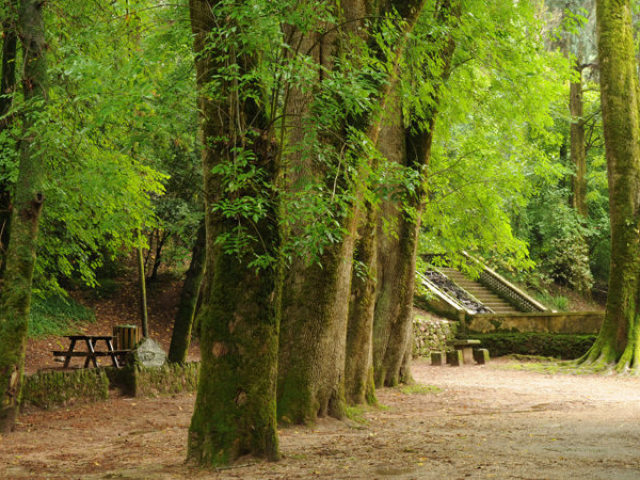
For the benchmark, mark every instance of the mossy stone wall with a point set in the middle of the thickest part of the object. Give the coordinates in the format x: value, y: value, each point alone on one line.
x: 51, y: 388
x: 539, y: 322
x: 563, y: 346
x: 431, y: 334
x: 57, y: 388
x: 170, y: 379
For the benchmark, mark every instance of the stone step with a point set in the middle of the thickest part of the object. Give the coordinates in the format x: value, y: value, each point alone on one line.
x: 479, y: 291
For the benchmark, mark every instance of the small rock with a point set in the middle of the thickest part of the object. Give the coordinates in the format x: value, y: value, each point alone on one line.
x: 150, y: 354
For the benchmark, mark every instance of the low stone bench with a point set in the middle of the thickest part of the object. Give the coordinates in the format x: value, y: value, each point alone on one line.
x: 466, y: 347
x: 465, y: 352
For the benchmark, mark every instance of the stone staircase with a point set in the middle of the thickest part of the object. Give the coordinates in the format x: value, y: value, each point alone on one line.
x: 480, y: 292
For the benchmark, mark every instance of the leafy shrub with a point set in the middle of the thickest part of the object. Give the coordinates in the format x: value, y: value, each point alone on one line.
x: 568, y: 263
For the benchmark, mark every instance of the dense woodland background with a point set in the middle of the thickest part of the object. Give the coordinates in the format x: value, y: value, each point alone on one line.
x: 295, y: 161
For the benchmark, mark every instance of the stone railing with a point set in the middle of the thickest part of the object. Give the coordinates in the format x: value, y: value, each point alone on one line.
x: 505, y: 289
x: 443, y: 304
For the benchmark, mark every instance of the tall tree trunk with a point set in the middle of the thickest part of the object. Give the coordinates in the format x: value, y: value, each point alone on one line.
x: 15, y: 301
x: 392, y: 146
x: 235, y: 411
x: 578, y: 154
x: 181, y: 337
x: 394, y: 304
x: 618, y: 340
x: 316, y: 297
x: 7, y: 89
x: 359, y: 354
x: 399, y: 316
x: 386, y: 133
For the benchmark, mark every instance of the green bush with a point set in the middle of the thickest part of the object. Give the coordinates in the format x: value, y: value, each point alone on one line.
x: 568, y: 263
x: 563, y: 346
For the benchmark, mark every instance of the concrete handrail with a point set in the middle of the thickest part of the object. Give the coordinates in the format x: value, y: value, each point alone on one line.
x: 442, y: 295
x: 515, y: 291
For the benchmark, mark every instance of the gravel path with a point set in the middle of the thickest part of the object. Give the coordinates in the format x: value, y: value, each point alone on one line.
x: 485, y: 422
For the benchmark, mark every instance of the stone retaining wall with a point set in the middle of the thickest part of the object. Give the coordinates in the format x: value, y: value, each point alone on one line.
x: 430, y: 333
x: 58, y: 388
x: 538, y: 322
x: 51, y: 388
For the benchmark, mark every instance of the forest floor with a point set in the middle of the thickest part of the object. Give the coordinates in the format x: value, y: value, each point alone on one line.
x: 493, y: 421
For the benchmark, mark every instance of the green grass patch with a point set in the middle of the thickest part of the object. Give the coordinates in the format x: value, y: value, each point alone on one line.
x: 420, y: 389
x: 56, y: 315
x: 549, y: 367
x: 356, y: 414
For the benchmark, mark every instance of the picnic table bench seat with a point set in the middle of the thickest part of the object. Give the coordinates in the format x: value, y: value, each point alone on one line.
x: 91, y: 354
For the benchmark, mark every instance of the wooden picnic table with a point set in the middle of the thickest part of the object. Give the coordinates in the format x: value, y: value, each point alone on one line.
x: 91, y: 354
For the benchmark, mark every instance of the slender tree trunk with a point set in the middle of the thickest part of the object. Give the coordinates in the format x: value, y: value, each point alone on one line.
x: 181, y: 337
x: 235, y: 410
x: 578, y: 154
x: 387, y: 134
x: 7, y: 89
x: 359, y: 355
x: 15, y: 301
x: 618, y: 340
x: 144, y: 317
x: 399, y: 315
x: 392, y: 146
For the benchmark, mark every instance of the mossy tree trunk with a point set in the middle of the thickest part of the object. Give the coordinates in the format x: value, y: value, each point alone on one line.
x: 7, y: 89
x: 618, y: 341
x: 182, y: 327
x: 311, y: 377
x: 397, y: 257
x: 383, y: 131
x: 15, y: 300
x: 578, y: 153
x: 359, y: 355
x: 235, y: 410
x: 394, y: 311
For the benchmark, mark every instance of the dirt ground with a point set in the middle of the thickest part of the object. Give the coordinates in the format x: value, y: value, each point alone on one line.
x: 486, y: 422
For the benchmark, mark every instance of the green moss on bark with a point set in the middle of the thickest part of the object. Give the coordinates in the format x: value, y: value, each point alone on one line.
x: 617, y: 342
x: 359, y: 355
x: 235, y: 411
x: 15, y: 299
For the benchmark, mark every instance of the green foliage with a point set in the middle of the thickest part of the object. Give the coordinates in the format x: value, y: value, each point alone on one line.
x: 57, y: 315
x: 118, y: 74
x: 493, y: 134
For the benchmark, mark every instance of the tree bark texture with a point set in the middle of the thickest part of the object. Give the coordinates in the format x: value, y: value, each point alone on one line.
x: 359, y: 354
x: 397, y: 253
x: 360, y: 385
x: 316, y: 298
x: 15, y: 300
x: 578, y: 154
x: 618, y: 337
x: 235, y: 409
x: 182, y: 327
x: 7, y: 89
